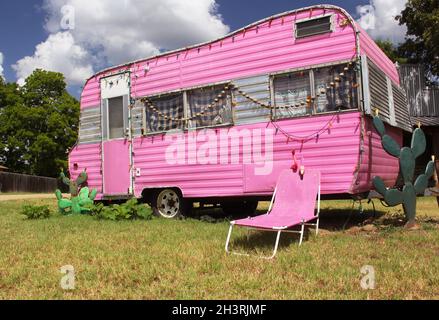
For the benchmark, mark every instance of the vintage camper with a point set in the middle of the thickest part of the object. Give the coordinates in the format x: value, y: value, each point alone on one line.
x: 219, y: 121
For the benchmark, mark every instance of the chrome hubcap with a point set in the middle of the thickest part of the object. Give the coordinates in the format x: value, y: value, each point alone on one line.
x: 168, y: 203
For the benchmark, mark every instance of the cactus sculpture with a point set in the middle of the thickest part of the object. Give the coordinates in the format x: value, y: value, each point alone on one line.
x: 407, y: 161
x: 80, y: 197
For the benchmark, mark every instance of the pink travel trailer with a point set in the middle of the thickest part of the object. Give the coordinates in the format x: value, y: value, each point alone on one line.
x: 219, y: 121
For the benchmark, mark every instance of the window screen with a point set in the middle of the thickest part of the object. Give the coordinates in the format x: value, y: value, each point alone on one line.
x: 337, y: 88
x: 312, y: 27
x: 169, y: 110
x: 292, y: 94
x: 115, y: 118
x: 210, y: 106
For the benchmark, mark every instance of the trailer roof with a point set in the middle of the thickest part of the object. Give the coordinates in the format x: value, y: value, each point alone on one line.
x: 321, y: 6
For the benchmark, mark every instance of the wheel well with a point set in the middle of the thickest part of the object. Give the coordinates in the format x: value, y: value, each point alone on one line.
x: 148, y: 193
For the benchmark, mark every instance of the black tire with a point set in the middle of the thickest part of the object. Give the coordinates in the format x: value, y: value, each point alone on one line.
x: 240, y: 207
x: 168, y: 204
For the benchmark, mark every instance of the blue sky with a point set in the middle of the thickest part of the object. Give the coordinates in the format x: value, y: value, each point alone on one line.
x: 25, y: 24
x: 21, y: 28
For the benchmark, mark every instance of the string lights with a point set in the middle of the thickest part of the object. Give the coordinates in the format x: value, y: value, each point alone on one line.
x: 310, y: 99
x: 211, y: 105
x: 306, y: 102
x: 290, y: 137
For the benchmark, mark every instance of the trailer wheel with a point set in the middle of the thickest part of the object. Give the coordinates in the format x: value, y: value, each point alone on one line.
x: 238, y: 208
x: 168, y: 203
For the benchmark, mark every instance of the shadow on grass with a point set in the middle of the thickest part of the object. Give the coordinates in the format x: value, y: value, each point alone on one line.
x: 342, y: 219
x: 331, y: 220
x: 245, y: 240
x: 263, y: 241
x: 217, y: 215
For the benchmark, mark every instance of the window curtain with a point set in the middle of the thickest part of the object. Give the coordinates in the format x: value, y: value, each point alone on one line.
x: 171, y: 107
x: 203, y: 116
x: 336, y: 91
x: 292, y: 90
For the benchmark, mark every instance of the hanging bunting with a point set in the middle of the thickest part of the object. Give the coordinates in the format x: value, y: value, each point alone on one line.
x: 309, y: 100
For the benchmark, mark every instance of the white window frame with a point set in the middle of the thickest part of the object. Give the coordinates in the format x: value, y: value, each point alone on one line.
x: 125, y: 93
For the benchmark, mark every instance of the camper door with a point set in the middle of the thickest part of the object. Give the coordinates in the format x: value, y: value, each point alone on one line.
x: 116, y: 135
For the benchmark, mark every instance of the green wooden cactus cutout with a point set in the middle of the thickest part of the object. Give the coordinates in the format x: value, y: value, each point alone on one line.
x: 74, y: 185
x: 407, y: 161
x: 80, y: 198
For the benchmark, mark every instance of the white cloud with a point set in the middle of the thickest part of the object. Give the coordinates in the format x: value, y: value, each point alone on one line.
x: 378, y: 19
x: 132, y: 29
x: 1, y: 65
x: 58, y: 53
x: 107, y: 32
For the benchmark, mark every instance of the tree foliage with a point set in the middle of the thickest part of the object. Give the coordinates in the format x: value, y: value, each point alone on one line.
x: 38, y: 123
x: 391, y: 51
x: 422, y: 42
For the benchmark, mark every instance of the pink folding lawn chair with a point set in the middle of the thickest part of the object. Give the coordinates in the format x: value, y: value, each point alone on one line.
x: 293, y: 204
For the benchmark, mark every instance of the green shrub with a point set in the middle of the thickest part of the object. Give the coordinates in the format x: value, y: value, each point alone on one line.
x: 36, y: 212
x: 130, y: 210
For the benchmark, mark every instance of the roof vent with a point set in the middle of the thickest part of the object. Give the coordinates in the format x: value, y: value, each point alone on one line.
x: 313, y: 27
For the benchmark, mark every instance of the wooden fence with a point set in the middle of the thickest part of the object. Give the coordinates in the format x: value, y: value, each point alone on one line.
x: 14, y: 182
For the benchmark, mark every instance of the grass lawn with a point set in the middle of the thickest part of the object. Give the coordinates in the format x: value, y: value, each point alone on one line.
x: 162, y: 259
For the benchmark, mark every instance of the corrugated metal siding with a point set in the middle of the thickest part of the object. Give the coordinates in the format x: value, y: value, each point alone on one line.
x: 267, y: 47
x: 90, y: 130
x: 335, y: 152
x: 246, y: 111
x: 91, y: 94
x: 137, y: 118
x: 194, y: 180
x: 423, y: 101
x: 87, y: 157
x: 426, y: 121
x: 413, y: 82
x: 374, y: 160
x: 401, y: 108
x: 379, y: 89
x: 433, y: 102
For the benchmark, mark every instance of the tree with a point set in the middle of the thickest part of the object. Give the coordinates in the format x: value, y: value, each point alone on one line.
x: 9, y: 94
x: 38, y: 123
x: 422, y: 41
x: 391, y: 51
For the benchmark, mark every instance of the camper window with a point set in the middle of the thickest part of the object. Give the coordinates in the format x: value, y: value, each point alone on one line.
x: 313, y: 27
x: 115, y: 118
x: 167, y: 114
x: 335, y: 88
x: 292, y: 94
x: 318, y: 90
x: 210, y: 107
